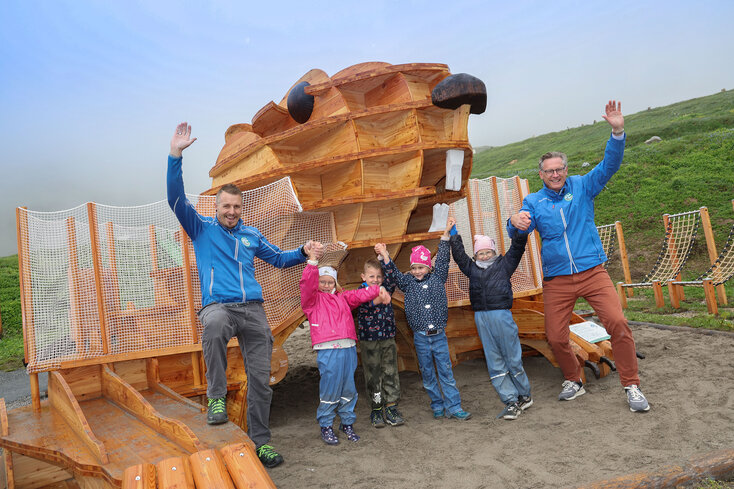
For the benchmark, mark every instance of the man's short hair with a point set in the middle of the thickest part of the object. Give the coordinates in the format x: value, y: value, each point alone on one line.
x: 553, y: 154
x: 229, y: 188
x: 373, y: 263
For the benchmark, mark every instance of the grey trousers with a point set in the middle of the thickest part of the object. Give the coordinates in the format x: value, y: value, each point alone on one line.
x: 380, y: 366
x: 247, y: 322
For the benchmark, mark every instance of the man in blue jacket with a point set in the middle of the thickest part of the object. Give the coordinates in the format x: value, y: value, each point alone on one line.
x: 563, y: 214
x: 231, y: 298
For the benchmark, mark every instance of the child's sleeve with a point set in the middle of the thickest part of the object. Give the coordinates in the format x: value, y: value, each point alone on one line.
x: 359, y: 296
x: 514, y: 254
x: 460, y: 256
x: 395, y: 275
x: 389, y: 283
x: 309, y: 286
x: 441, y: 269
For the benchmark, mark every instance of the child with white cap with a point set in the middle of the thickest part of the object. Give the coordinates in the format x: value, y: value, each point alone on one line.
x: 426, y: 309
x: 334, y: 338
x: 490, y: 292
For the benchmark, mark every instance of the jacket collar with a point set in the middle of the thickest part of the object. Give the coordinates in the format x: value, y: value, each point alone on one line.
x: 553, y: 195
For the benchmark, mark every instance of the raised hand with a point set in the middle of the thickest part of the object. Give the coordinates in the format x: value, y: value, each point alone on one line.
x: 521, y: 220
x: 181, y: 139
x: 384, y: 297
x: 614, y: 116
x: 381, y: 250
x: 450, y: 222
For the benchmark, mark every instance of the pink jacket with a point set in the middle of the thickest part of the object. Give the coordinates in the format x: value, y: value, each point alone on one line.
x: 330, y: 315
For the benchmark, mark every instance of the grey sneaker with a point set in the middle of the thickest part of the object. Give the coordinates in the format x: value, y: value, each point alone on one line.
x: 571, y: 390
x: 511, y: 411
x: 376, y: 418
x: 636, y: 400
x: 524, y: 402
x: 393, y: 416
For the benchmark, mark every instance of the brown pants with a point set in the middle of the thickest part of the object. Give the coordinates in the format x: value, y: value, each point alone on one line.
x: 594, y: 285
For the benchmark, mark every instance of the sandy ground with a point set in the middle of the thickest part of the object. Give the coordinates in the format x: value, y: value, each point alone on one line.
x: 687, y: 377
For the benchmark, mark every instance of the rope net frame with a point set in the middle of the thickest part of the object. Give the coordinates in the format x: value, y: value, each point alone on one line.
x: 100, y: 280
x: 723, y: 269
x: 680, y: 235
x: 489, y: 204
x: 608, y: 236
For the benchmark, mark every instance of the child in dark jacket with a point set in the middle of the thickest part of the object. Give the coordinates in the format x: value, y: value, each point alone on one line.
x: 376, y: 331
x: 490, y: 293
x: 333, y: 337
x: 426, y: 309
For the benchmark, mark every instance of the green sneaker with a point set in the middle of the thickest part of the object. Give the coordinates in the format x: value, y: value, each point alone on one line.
x: 217, y: 411
x: 268, y: 456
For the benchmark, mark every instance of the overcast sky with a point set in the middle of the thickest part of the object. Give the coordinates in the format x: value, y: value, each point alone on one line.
x: 90, y: 92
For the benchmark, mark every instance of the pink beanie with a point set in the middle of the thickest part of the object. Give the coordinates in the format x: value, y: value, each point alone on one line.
x: 482, y: 242
x: 420, y: 256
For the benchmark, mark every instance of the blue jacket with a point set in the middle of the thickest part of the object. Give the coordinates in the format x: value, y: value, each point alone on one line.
x: 426, y: 305
x: 224, y: 257
x: 565, y: 219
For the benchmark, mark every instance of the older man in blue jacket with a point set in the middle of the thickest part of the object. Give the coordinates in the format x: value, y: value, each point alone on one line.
x: 563, y: 214
x: 231, y: 298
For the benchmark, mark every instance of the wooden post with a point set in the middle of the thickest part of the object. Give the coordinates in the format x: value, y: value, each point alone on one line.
x: 75, y: 306
x: 189, y: 295
x: 470, y: 207
x: 673, y: 294
x: 658, y: 291
x: 26, y: 296
x: 101, y: 306
x: 498, y: 217
x: 713, y: 255
x: 623, y: 257
x: 112, y: 256
x: 711, y: 305
x: 622, y: 296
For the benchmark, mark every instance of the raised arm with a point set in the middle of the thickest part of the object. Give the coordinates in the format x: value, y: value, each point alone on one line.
x: 309, y: 286
x: 514, y: 254
x: 270, y: 253
x: 359, y: 296
x: 185, y: 212
x: 391, y: 271
x: 459, y: 254
x: 441, y: 266
x: 598, y: 177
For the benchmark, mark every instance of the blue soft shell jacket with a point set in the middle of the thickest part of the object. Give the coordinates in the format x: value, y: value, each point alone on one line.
x: 224, y: 257
x: 565, y: 219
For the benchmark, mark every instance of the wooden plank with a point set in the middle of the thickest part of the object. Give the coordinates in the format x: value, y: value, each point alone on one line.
x: 141, y: 476
x: 403, y: 238
x: 245, y: 467
x: 8, y: 456
x: 154, y: 384
x: 621, y: 295
x: 96, y: 262
x: 713, y: 255
x: 711, y: 305
x: 209, y: 470
x: 26, y: 296
x: 122, y: 394
x: 175, y: 473
x: 63, y: 401
x: 30, y: 473
x: 658, y: 292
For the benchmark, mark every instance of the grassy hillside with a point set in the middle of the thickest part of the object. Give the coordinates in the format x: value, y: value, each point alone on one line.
x: 692, y: 166
x: 11, y: 345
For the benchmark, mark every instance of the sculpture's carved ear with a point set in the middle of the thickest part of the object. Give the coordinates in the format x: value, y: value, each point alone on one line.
x: 457, y: 90
x: 300, y: 104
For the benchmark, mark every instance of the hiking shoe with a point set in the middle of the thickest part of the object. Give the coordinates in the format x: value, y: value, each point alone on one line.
x: 376, y: 418
x: 216, y: 412
x: 268, y: 456
x: 571, y: 390
x: 348, y: 430
x: 393, y: 416
x: 327, y: 434
x: 438, y: 414
x: 461, y: 415
x: 636, y: 400
x: 511, y: 411
x: 524, y: 402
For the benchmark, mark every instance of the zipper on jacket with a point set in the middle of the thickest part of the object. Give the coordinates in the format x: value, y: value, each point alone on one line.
x: 568, y: 247
x: 242, y: 283
x: 211, y: 282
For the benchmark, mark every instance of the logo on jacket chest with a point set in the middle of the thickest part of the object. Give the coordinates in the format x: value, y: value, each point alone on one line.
x: 568, y: 197
x: 245, y: 241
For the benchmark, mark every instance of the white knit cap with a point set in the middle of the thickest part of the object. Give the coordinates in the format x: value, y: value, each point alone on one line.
x: 327, y: 271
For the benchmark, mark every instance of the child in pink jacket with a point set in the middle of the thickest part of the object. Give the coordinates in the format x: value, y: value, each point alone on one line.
x: 334, y: 338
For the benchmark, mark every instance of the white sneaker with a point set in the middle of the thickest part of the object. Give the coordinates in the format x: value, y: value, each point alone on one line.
x: 636, y: 400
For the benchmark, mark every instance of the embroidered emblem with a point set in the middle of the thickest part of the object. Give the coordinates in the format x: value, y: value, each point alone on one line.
x: 568, y: 197
x: 245, y: 241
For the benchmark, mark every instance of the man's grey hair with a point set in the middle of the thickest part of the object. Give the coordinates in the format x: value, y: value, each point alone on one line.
x: 553, y: 154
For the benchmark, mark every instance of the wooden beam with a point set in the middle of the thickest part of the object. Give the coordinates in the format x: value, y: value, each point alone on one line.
x: 175, y: 473
x: 154, y: 383
x: 713, y: 255
x: 26, y: 294
x: 209, y: 470
x: 624, y: 257
x: 188, y: 264
x: 64, y: 402
x: 98, y: 278
x: 130, y: 400
x: 711, y: 305
x: 244, y: 466
x: 141, y: 476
